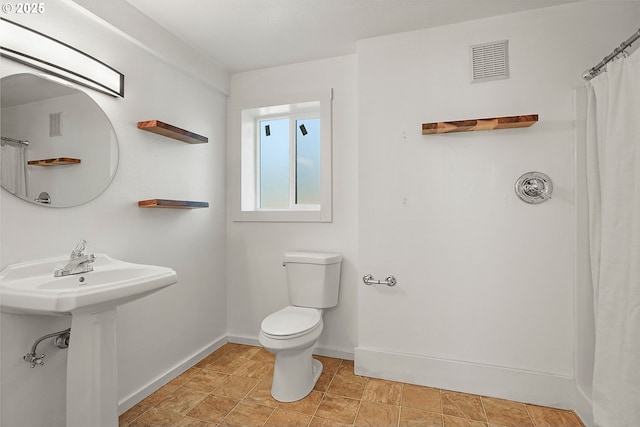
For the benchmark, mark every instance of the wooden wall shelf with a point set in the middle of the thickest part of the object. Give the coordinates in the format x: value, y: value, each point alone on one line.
x: 172, y: 204
x: 58, y: 161
x: 508, y: 122
x: 165, y: 129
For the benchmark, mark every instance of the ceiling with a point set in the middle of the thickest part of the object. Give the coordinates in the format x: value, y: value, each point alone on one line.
x: 244, y: 35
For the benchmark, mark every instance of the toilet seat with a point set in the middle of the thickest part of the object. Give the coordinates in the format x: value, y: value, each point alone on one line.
x: 291, y: 322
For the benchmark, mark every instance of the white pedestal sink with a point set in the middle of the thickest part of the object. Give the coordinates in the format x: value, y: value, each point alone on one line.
x: 91, y: 299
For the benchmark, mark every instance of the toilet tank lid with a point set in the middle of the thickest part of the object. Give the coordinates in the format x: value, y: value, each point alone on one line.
x: 312, y: 257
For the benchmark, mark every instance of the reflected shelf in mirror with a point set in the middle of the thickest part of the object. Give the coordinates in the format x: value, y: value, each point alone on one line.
x: 58, y: 161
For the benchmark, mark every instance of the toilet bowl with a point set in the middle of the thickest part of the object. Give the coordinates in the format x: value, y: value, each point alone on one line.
x: 313, y: 280
x: 290, y: 334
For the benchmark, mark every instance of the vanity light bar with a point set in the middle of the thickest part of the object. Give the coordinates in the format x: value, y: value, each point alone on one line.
x: 44, y: 53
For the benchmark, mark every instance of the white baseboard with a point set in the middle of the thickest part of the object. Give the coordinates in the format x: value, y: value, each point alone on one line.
x: 333, y: 352
x: 246, y: 340
x: 505, y: 383
x: 584, y: 407
x: 129, y: 401
x: 321, y: 351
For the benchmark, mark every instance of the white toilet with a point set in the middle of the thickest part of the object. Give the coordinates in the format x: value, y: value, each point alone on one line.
x: 313, y: 281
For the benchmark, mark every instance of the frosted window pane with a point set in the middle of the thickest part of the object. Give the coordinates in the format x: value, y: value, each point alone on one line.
x: 274, y: 164
x: 308, y: 162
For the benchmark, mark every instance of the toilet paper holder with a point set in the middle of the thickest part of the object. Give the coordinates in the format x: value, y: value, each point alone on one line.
x: 389, y: 281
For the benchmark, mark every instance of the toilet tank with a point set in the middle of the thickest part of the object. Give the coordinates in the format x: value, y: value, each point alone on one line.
x: 313, y: 278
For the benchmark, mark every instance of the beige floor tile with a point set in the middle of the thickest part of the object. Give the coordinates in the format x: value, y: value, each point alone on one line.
x: 226, y: 348
x: 308, y: 405
x: 411, y: 417
x: 450, y: 421
x: 349, y: 386
x: 160, y: 394
x: 185, y: 377
x: 382, y: 391
x: 268, y: 375
x: 321, y: 422
x: 226, y: 364
x: 208, y: 360
x: 244, y: 351
x: 236, y: 387
x: 205, y: 380
x: 264, y: 356
x: 247, y: 414
x: 253, y: 368
x: 213, y: 408
x: 284, y: 418
x: 550, y: 417
x: 463, y: 405
x: 506, y: 413
x: 338, y: 408
x: 261, y: 394
x: 330, y: 365
x: 418, y: 397
x: 131, y: 414
x: 374, y: 414
x: 323, y: 382
x: 346, y: 368
x: 155, y: 417
x: 193, y: 422
x: 182, y: 400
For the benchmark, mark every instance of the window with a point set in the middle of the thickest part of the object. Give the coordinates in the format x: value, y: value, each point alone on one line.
x: 289, y: 153
x: 285, y: 158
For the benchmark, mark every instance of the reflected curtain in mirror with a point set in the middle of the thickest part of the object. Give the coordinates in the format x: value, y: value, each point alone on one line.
x: 13, y: 166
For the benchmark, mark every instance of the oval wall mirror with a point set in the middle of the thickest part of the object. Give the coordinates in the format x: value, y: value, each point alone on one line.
x: 59, y: 148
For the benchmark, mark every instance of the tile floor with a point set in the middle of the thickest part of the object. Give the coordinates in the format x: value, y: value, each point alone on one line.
x: 231, y: 387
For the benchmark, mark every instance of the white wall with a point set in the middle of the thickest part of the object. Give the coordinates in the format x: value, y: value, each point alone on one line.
x: 256, y: 280
x: 485, y: 294
x: 159, y: 334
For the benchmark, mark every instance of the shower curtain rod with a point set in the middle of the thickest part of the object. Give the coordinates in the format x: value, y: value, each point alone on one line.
x: 17, y: 141
x: 597, y: 69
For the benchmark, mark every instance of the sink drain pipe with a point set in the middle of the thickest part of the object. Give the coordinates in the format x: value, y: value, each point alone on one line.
x: 61, y: 341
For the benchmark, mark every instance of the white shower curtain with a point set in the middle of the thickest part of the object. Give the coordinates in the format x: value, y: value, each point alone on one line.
x: 613, y: 165
x: 12, y: 169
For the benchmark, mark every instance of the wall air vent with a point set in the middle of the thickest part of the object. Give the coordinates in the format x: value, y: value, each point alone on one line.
x: 55, y: 124
x: 490, y: 61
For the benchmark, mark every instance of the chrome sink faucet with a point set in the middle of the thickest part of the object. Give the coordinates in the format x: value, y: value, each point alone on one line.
x: 78, y: 263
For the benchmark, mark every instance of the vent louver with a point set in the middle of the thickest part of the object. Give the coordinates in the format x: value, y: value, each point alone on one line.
x: 490, y: 61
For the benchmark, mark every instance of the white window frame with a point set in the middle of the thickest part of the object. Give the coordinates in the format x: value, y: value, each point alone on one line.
x: 247, y: 115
